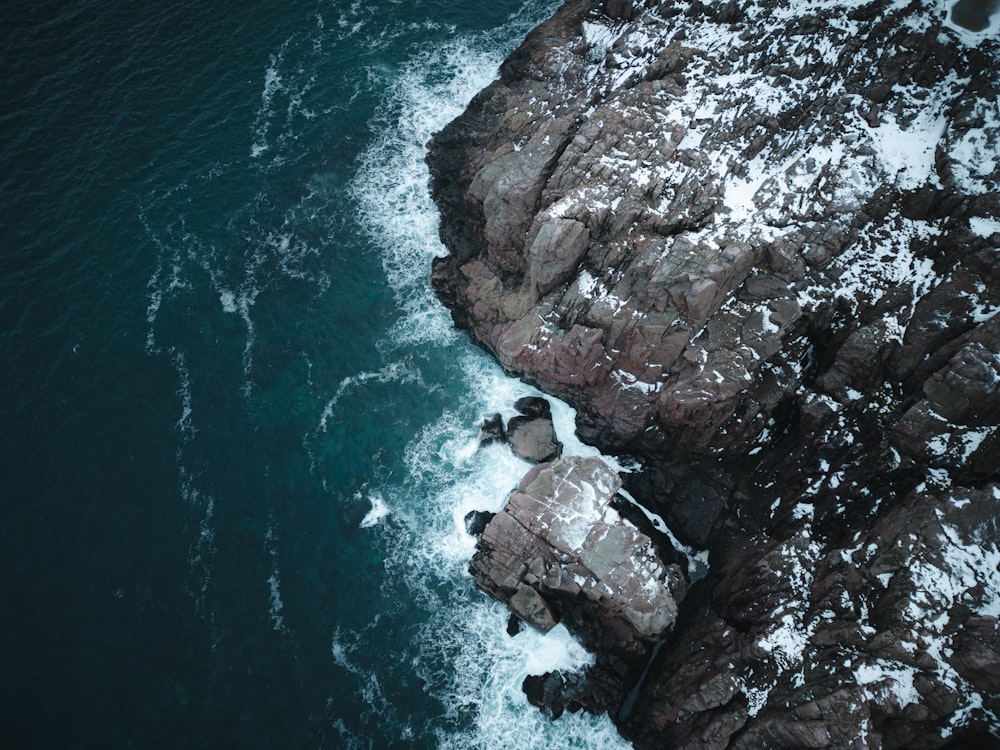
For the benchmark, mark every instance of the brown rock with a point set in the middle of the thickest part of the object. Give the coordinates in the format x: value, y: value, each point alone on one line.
x: 533, y: 439
x: 558, y: 546
x: 654, y: 215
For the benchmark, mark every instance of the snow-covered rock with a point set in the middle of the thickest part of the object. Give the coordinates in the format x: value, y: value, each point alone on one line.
x: 756, y: 244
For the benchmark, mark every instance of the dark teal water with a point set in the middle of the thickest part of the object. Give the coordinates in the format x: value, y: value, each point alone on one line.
x: 238, y: 431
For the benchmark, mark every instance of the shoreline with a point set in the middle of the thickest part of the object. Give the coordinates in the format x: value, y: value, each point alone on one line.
x: 717, y: 313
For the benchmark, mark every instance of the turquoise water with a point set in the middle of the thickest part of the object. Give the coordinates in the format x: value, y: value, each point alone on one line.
x: 238, y: 431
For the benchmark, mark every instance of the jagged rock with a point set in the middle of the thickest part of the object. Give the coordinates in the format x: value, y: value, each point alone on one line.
x: 955, y: 425
x: 759, y: 248
x: 658, y: 217
x: 559, y: 552
x: 545, y: 691
x: 533, y: 438
x: 622, y: 9
x: 492, y: 431
x: 884, y: 638
x: 477, y: 520
x: 533, y: 406
x: 557, y: 691
x: 514, y: 625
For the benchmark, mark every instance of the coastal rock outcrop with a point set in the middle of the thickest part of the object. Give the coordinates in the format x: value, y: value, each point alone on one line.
x: 531, y: 434
x: 559, y: 552
x: 876, y: 642
x: 756, y: 246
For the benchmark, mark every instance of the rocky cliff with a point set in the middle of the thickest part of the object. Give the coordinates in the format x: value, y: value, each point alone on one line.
x: 755, y: 244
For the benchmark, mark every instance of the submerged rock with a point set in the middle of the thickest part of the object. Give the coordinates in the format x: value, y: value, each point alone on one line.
x: 882, y: 638
x: 477, y: 520
x: 514, y: 625
x: 533, y: 406
x: 492, y: 431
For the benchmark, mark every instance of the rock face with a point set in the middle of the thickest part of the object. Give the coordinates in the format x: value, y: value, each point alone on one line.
x: 875, y: 643
x: 756, y: 245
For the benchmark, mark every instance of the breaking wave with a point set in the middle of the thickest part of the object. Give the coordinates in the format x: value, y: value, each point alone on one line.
x: 463, y: 654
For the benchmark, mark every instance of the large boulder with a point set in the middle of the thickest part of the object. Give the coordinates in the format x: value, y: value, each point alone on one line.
x: 533, y: 406
x: 531, y: 434
x: 476, y: 521
x: 559, y: 551
x: 533, y: 438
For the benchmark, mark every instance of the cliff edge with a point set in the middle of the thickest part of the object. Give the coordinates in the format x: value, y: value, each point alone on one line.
x: 756, y: 245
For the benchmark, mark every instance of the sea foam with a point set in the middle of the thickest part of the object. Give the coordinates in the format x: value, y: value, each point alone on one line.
x: 465, y: 658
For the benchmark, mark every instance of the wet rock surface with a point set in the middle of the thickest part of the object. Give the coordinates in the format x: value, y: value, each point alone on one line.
x: 808, y: 643
x: 477, y: 520
x: 755, y: 245
x: 492, y: 431
x: 533, y: 438
x: 531, y: 434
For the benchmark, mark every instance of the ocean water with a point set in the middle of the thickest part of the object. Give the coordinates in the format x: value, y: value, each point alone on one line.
x: 238, y: 430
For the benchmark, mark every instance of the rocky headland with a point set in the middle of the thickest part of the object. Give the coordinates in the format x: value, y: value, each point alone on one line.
x: 756, y: 245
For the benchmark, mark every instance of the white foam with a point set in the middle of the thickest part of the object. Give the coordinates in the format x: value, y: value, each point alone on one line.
x: 277, y: 619
x: 246, y: 300
x: 272, y: 82
x: 399, y: 371
x: 228, y: 300
x: 288, y: 81
x: 274, y: 581
x: 201, y: 550
x: 445, y: 480
x: 502, y: 715
x: 466, y: 659
x: 185, y: 424
x: 391, y: 184
x: 379, y: 510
